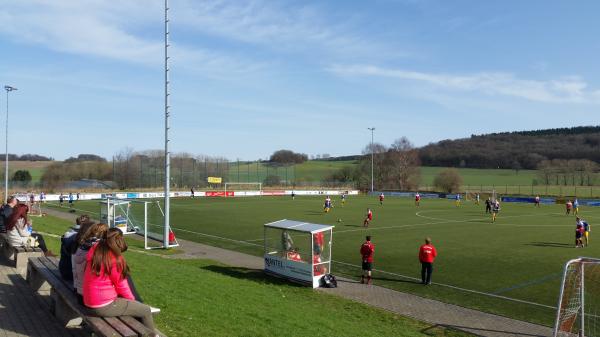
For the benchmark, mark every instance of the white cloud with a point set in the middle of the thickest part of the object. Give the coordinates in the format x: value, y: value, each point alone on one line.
x: 283, y: 27
x: 564, y: 90
x: 107, y: 29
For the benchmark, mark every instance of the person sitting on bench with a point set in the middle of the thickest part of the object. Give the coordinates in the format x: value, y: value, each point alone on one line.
x: 106, y: 291
x: 19, y: 231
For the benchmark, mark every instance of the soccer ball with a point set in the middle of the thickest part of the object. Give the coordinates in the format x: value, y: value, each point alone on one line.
x: 339, y: 220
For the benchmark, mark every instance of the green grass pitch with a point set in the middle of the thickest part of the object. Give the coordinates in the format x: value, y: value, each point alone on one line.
x: 511, y: 267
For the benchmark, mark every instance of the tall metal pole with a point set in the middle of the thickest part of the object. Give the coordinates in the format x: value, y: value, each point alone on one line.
x: 8, y: 89
x: 582, y: 295
x: 167, y: 113
x: 372, y: 150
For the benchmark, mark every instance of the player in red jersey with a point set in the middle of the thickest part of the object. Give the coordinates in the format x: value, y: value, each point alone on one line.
x: 366, y: 251
x: 427, y: 254
x: 569, y: 205
x: 381, y: 197
x: 417, y: 199
x: 368, y: 218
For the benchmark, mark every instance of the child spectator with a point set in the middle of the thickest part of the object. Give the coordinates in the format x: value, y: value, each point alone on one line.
x: 106, y: 291
x: 68, y: 246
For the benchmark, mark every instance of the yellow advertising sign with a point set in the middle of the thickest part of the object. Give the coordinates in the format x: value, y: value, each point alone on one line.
x: 214, y: 180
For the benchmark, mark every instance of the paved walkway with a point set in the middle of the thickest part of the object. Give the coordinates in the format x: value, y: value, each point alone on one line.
x: 23, y: 312
x: 422, y: 309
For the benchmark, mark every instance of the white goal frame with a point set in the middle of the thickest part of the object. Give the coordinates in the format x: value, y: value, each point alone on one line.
x: 492, y: 193
x: 35, y: 209
x: 230, y: 183
x: 144, y: 222
x: 579, y: 309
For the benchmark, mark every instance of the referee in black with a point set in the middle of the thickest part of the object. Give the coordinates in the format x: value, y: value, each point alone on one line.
x: 488, y: 205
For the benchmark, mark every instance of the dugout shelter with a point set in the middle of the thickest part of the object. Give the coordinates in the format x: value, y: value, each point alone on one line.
x: 298, y: 251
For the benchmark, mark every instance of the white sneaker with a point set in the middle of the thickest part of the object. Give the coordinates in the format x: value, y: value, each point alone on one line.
x: 154, y: 310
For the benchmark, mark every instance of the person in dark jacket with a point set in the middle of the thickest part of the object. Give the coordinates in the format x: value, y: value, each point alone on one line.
x: 6, y: 211
x: 68, y: 246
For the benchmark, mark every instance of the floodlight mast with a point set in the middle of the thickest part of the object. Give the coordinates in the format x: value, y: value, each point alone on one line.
x: 167, y: 113
x: 372, y: 150
x: 8, y: 89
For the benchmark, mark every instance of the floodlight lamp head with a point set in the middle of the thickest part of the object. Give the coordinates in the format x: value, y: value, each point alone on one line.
x: 9, y: 88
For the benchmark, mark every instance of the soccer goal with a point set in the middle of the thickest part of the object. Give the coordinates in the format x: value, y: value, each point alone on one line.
x: 242, y: 187
x: 34, y: 208
x: 483, y: 195
x: 578, y: 311
x: 142, y: 217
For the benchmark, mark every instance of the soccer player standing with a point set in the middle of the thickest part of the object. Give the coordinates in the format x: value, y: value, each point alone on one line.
x: 537, y: 201
x: 368, y: 218
x: 457, y: 199
x: 417, y: 199
x: 327, y: 206
x: 488, y: 205
x: 427, y: 254
x: 586, y: 231
x: 495, y: 210
x: 366, y: 251
x: 575, y: 206
x: 381, y: 197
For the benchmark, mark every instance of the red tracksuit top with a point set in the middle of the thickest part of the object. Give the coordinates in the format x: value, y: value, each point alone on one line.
x: 427, y: 253
x: 366, y: 250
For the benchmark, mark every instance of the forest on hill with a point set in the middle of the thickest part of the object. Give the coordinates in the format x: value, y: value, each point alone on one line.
x: 515, y: 150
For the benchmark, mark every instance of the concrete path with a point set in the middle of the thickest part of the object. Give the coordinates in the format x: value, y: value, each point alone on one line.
x: 422, y: 309
x: 23, y: 312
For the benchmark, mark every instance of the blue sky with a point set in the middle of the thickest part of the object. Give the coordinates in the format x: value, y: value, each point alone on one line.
x: 251, y: 77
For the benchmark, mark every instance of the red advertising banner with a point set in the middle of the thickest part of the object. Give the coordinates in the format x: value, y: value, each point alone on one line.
x: 219, y: 194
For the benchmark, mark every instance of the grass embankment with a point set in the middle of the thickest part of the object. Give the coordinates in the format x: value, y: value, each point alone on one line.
x: 205, y: 298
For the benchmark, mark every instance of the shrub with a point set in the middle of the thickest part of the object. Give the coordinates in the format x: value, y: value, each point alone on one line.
x: 448, y: 180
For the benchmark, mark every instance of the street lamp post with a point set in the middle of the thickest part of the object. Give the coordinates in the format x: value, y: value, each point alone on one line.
x: 372, y: 150
x: 8, y: 89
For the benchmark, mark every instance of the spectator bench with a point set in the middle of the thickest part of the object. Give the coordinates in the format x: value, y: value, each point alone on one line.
x: 18, y: 256
x: 44, y: 277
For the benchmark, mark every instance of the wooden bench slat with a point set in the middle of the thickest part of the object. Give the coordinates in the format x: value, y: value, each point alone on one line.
x: 100, y: 326
x: 61, y: 289
x: 120, y: 326
x: 53, y: 268
x: 136, y: 325
x: 126, y: 326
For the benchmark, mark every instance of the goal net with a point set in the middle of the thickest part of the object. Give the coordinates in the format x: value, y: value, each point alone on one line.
x: 483, y: 195
x: 242, y: 187
x: 578, y: 311
x: 142, y: 217
x: 34, y: 208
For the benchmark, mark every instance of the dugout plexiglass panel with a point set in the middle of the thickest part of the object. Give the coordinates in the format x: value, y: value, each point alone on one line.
x: 298, y: 250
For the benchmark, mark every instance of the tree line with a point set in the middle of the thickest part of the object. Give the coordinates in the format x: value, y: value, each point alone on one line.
x: 515, y: 150
x: 26, y: 157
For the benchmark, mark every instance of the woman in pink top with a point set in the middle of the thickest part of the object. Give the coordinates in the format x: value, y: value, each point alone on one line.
x: 105, y: 288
